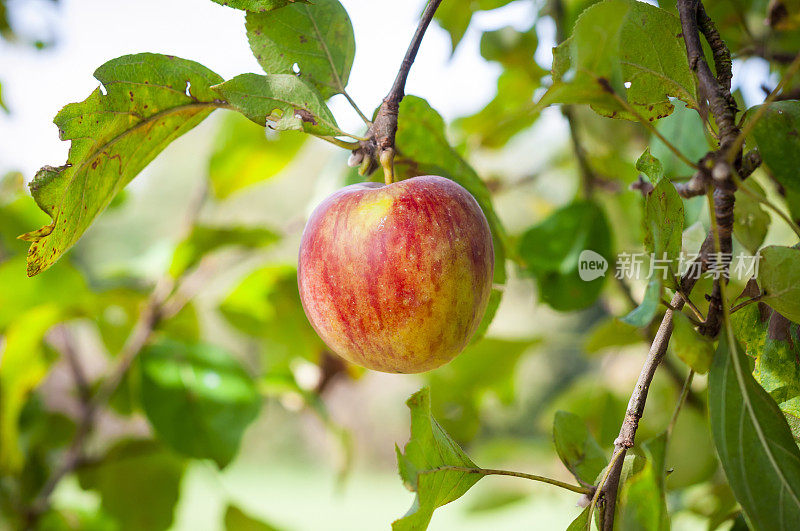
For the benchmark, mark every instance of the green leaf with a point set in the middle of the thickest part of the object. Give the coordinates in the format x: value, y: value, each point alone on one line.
x: 684, y: 129
x: 146, y: 498
x: 266, y: 304
x: 258, y: 6
x: 243, y: 155
x: 618, y: 42
x: 779, y: 277
x: 696, y: 351
x: 643, y: 314
x: 23, y: 365
x: 238, y: 520
x: 774, y: 342
x: 459, y: 388
x: 643, y: 504
x: 751, y: 221
x: 426, y: 466
x: 581, y: 522
x: 777, y: 134
x: 550, y: 251
x: 577, y: 448
x: 198, y: 398
x: 611, y: 333
x: 205, y: 239
x: 663, y: 222
x: 149, y: 101
x: 754, y: 443
x: 650, y: 166
x: 421, y: 137
x: 317, y: 37
x: 280, y: 101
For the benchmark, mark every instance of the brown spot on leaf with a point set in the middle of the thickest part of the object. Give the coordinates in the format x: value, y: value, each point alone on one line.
x: 305, y: 116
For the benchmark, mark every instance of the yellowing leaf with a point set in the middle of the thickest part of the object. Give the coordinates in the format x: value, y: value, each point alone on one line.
x: 147, y: 100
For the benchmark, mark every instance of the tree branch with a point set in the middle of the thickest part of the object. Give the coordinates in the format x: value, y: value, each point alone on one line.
x: 716, y: 90
x: 378, y: 148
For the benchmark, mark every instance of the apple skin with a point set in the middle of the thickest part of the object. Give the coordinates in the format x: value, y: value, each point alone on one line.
x: 396, y: 277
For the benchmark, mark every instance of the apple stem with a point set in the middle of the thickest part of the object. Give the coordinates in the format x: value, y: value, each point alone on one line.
x: 387, y: 163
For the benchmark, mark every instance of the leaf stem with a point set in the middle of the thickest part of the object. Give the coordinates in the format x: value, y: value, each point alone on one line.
x: 495, y: 472
x: 748, y: 302
x: 355, y: 107
x: 336, y: 77
x: 695, y: 310
x: 339, y: 143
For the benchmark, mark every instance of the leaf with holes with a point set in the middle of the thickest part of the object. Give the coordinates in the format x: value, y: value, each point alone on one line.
x: 629, y: 48
x: 754, y: 443
x: 149, y: 100
x: 282, y: 101
x: 198, y: 398
x: 314, y: 40
x: 432, y: 465
x: 779, y: 278
x: 258, y: 6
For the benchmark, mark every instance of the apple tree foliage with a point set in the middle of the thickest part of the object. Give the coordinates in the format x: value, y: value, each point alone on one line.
x: 640, y: 125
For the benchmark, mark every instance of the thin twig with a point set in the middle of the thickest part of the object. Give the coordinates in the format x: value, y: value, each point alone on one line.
x: 378, y: 148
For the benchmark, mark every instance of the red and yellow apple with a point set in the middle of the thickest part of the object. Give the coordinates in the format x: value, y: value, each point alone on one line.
x: 396, y: 277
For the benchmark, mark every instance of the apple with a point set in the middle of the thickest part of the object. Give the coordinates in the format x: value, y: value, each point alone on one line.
x: 396, y: 277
